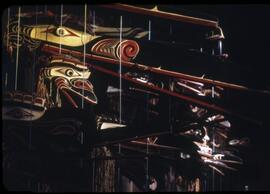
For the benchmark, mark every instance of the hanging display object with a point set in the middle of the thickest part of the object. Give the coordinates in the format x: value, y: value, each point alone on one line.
x: 149, y: 80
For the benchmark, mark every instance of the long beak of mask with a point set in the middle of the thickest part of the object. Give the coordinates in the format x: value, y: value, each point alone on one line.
x: 70, y: 83
x: 77, y: 91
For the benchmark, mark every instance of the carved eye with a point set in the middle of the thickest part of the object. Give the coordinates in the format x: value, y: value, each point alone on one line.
x: 61, y: 32
x: 69, y: 72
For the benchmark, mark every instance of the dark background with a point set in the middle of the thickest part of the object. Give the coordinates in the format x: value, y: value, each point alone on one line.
x: 247, y: 41
x: 246, y: 30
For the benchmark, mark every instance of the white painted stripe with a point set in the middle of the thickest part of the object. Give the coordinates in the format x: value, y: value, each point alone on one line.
x: 17, y: 54
x: 120, y: 73
x: 61, y: 24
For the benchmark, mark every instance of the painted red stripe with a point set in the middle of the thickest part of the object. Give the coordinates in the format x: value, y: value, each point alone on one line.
x: 162, y: 14
x: 70, y: 98
x: 55, y: 50
x: 49, y: 48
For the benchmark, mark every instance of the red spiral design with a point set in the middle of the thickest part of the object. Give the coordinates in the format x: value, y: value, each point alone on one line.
x: 129, y: 50
x: 111, y: 48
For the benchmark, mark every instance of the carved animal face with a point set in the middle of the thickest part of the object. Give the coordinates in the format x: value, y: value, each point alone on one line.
x: 33, y: 35
x: 64, y: 79
x: 60, y: 35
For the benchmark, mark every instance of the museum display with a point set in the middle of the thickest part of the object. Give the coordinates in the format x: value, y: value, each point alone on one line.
x: 116, y: 97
